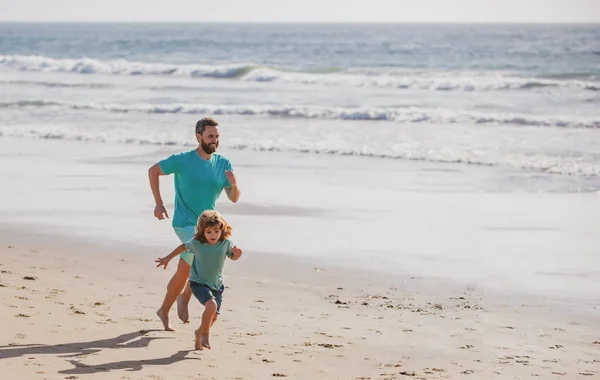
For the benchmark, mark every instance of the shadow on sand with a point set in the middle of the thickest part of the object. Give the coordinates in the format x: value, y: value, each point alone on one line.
x: 71, y: 350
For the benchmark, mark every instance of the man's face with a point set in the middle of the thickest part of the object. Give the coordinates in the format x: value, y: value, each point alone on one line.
x: 209, y: 139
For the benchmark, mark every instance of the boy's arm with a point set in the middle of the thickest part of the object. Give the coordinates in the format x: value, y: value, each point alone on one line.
x: 236, y: 253
x: 165, y: 260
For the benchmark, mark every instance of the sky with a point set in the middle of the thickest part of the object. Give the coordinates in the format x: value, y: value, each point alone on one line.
x: 548, y: 11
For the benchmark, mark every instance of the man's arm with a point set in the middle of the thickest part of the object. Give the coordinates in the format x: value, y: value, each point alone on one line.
x: 233, y: 192
x: 160, y: 212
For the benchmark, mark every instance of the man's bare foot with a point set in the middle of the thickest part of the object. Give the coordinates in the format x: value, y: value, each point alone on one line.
x: 164, y: 318
x: 182, y: 309
x: 201, y: 341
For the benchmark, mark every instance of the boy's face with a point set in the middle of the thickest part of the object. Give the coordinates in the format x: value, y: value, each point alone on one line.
x: 212, y: 234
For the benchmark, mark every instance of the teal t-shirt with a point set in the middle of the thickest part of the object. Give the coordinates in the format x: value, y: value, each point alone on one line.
x: 198, y: 184
x: 209, y: 260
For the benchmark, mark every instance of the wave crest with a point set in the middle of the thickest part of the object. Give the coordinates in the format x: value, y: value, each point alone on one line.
x: 539, y: 162
x: 376, y: 78
x: 409, y: 114
x: 120, y: 67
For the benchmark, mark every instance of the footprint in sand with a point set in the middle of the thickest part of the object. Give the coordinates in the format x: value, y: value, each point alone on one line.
x: 329, y: 345
x: 405, y: 373
x: 390, y: 365
x: 76, y: 311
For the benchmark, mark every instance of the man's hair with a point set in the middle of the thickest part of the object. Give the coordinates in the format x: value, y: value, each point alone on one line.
x: 205, y: 122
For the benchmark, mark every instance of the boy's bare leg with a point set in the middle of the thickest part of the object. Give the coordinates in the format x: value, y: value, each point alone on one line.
x: 203, y: 333
x: 174, y: 288
x: 183, y: 301
x: 164, y: 318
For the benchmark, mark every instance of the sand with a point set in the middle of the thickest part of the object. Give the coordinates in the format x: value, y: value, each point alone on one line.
x: 73, y: 310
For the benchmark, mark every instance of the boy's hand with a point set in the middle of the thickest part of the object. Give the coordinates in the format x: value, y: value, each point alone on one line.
x: 236, y: 251
x: 162, y: 261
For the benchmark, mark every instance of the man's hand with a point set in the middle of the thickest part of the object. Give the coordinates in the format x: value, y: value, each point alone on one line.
x: 231, y: 177
x: 160, y: 212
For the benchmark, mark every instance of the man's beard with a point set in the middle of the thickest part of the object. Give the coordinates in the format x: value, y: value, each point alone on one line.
x: 208, y: 148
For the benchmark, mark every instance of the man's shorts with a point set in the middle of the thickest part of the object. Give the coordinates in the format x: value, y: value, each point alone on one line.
x: 186, y: 234
x: 204, y: 294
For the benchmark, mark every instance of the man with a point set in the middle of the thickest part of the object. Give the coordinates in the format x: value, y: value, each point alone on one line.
x: 200, y: 177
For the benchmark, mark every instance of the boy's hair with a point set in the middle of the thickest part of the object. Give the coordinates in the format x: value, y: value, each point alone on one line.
x: 205, y: 122
x: 213, y: 219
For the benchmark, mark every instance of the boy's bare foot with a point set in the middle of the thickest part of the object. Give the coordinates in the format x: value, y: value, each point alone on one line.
x: 201, y: 341
x: 164, y: 318
x: 182, y: 309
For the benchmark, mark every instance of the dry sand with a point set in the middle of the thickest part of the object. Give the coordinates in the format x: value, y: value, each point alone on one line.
x: 75, y: 311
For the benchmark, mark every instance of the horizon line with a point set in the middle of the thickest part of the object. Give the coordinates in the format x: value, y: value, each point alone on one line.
x: 297, y: 22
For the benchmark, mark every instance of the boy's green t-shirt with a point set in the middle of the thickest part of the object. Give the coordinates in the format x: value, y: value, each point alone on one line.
x: 209, y: 261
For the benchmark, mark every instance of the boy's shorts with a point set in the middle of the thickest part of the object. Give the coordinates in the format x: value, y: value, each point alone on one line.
x: 204, y: 294
x: 186, y: 234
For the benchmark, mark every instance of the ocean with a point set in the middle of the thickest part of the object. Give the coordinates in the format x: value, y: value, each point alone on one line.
x: 468, y: 152
x: 517, y: 96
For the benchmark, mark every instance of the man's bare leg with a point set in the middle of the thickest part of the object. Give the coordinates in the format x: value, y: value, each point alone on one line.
x: 174, y: 288
x: 183, y: 302
x: 203, y: 333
